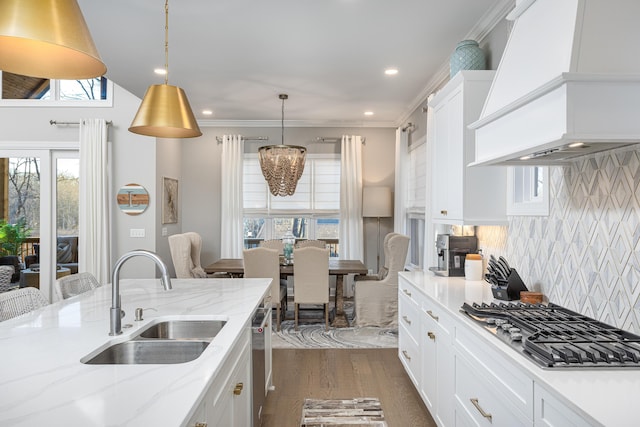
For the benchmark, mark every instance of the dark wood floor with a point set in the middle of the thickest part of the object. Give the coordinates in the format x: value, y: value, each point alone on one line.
x: 338, y: 374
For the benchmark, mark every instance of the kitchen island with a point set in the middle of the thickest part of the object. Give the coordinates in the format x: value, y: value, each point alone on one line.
x: 44, y: 382
x: 467, y: 376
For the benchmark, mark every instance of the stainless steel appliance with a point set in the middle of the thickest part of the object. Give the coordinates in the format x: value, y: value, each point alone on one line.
x: 555, y: 337
x: 260, y: 334
x: 451, y: 252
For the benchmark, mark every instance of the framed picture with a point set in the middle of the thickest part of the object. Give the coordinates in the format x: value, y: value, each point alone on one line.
x: 169, y: 200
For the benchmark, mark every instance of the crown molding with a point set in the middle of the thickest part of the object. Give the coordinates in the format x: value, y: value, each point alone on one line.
x: 482, y: 28
x: 296, y: 124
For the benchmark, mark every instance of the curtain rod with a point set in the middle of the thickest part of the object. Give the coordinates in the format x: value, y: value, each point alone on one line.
x: 54, y: 122
x: 247, y: 138
x: 408, y: 127
x: 335, y: 138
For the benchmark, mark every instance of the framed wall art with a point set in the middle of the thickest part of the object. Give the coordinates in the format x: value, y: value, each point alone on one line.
x: 133, y: 199
x: 169, y: 200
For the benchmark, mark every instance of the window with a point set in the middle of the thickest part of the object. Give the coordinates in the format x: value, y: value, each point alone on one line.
x: 416, y: 202
x: 25, y: 90
x: 528, y: 190
x: 313, y: 212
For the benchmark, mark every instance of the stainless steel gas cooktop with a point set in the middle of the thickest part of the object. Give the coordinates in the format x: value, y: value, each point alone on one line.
x: 556, y: 337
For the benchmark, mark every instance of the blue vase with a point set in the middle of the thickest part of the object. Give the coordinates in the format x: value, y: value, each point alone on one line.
x: 466, y: 56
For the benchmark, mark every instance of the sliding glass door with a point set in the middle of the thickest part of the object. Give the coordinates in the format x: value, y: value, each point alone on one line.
x: 39, y: 214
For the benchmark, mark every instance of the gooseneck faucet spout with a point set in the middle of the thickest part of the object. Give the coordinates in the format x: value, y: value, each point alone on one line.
x: 116, y: 310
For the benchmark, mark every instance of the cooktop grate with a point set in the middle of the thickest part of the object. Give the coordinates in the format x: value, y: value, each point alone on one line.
x: 556, y: 337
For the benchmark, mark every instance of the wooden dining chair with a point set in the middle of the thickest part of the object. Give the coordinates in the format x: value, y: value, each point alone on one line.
x: 311, y: 280
x: 265, y: 262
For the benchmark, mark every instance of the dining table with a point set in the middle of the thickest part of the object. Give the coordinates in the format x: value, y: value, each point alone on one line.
x: 339, y: 268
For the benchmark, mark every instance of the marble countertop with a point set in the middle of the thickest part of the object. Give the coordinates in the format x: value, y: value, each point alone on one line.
x: 608, y: 396
x: 43, y: 382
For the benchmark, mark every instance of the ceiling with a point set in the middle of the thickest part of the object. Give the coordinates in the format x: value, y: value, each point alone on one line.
x: 235, y: 56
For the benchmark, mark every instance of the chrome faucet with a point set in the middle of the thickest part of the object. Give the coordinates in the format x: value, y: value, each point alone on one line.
x: 116, y: 312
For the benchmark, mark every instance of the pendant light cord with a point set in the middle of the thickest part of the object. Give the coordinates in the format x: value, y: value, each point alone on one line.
x: 282, y: 120
x: 166, y: 42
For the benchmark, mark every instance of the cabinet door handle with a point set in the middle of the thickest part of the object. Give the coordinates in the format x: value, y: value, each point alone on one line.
x: 238, y: 389
x: 431, y: 335
x: 406, y: 355
x: 477, y: 405
x: 406, y: 319
x: 433, y: 316
x: 406, y: 292
x: 443, y: 212
x: 201, y: 425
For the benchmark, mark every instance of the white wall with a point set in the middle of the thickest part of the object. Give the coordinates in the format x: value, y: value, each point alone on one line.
x: 133, y: 161
x: 200, y: 184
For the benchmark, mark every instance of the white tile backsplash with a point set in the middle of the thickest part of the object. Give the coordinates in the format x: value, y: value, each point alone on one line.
x: 586, y: 254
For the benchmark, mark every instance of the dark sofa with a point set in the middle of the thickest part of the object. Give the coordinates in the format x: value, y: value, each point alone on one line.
x: 67, y: 254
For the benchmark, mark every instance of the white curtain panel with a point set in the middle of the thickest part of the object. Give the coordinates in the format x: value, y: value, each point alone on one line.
x: 94, y: 241
x: 401, y: 182
x: 231, y: 236
x: 351, y: 234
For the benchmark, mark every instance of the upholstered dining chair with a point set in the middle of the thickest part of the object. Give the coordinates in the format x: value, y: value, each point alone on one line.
x: 6, y: 272
x: 376, y: 301
x: 185, y: 253
x: 382, y: 273
x: 21, y: 301
x: 75, y: 284
x: 265, y: 262
x: 311, y: 277
x: 276, y: 244
x: 311, y: 243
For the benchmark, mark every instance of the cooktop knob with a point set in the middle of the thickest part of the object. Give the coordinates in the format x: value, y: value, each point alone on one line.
x: 514, y: 330
x: 516, y: 336
x: 506, y: 326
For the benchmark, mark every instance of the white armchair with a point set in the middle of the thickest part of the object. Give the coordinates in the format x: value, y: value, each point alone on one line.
x: 376, y: 301
x: 185, y: 253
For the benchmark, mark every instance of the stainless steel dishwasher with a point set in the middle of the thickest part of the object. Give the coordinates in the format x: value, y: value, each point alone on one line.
x: 260, y: 333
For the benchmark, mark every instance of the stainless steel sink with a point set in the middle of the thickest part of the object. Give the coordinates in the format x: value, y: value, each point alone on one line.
x: 141, y: 352
x: 184, y: 329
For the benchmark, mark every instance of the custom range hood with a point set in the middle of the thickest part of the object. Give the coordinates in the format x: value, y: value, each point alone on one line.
x: 568, y: 84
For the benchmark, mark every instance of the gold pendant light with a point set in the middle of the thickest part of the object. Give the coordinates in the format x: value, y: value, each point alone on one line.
x: 282, y: 165
x: 165, y: 111
x: 47, y: 39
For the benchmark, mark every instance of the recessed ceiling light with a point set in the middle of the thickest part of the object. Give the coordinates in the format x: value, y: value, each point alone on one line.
x: 525, y: 157
x: 207, y: 112
x: 576, y: 144
x: 368, y: 113
x: 391, y: 71
x: 160, y: 71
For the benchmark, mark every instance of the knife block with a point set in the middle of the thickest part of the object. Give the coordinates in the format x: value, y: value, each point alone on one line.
x: 512, y: 290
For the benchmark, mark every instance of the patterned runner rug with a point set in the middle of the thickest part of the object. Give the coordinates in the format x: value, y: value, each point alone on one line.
x: 342, y: 412
x: 315, y: 336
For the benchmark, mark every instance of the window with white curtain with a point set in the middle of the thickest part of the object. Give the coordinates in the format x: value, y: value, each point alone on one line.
x: 312, y: 212
x: 416, y: 201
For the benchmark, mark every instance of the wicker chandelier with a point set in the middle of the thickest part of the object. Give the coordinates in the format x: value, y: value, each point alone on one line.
x: 282, y: 165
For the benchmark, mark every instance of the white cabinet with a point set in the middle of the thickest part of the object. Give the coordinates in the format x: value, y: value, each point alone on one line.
x: 408, y: 332
x: 551, y: 412
x: 227, y: 403
x: 437, y: 383
x: 463, y: 195
x: 425, y: 350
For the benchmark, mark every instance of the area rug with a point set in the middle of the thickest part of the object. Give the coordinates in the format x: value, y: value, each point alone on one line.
x: 342, y: 412
x: 315, y: 336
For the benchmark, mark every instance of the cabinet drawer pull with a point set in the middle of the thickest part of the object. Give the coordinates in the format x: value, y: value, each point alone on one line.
x: 237, y: 390
x: 433, y: 316
x: 443, y: 212
x: 406, y: 355
x: 406, y: 292
x: 406, y: 319
x: 484, y: 414
x: 201, y: 425
x: 431, y: 335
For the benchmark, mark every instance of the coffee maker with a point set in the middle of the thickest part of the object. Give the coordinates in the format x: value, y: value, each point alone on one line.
x: 451, y: 252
